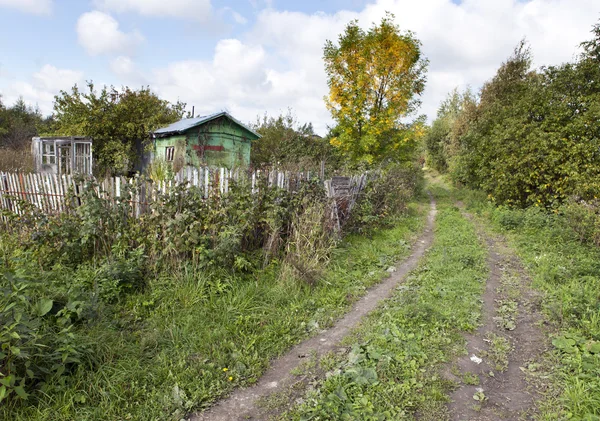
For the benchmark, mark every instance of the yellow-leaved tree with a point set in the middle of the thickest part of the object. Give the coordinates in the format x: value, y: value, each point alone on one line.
x: 375, y: 78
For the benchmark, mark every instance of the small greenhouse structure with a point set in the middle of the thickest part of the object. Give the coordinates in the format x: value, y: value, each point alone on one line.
x: 62, y: 155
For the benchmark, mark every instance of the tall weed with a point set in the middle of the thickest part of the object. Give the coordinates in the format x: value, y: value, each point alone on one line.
x: 386, y: 195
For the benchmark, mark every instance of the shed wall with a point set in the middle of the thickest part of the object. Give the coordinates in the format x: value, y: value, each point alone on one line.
x: 220, y: 143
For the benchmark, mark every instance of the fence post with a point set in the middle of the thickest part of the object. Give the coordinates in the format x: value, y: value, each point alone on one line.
x: 206, y: 181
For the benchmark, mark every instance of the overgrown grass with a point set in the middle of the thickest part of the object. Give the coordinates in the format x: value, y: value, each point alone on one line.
x: 392, y: 370
x: 191, y: 336
x: 567, y: 272
x: 12, y: 160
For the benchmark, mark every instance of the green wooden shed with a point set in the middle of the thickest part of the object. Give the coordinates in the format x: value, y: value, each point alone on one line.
x: 217, y: 140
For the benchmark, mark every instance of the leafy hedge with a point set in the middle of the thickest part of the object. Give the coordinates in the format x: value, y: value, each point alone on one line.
x: 533, y: 137
x: 386, y: 194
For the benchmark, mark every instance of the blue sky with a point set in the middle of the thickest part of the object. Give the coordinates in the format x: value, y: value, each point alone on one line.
x: 257, y: 56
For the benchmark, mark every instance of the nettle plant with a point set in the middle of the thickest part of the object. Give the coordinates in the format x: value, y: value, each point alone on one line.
x: 386, y: 195
x: 37, y: 343
x: 223, y: 230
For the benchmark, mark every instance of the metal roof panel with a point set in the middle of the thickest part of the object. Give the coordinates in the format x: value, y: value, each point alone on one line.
x: 187, y: 123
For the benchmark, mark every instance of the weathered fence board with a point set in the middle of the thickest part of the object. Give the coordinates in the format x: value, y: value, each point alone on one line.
x: 50, y: 192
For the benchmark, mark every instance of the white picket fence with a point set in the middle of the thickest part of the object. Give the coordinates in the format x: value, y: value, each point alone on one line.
x: 50, y: 192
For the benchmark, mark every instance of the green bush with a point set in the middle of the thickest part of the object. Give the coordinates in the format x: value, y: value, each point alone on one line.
x: 215, y: 231
x: 387, y: 192
x: 509, y: 219
x: 583, y: 219
x: 99, y: 273
x: 532, y: 138
x: 36, y: 339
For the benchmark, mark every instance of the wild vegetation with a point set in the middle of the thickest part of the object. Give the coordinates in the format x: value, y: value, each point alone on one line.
x: 107, y: 315
x: 289, y: 145
x: 400, y: 361
x: 18, y: 124
x: 168, y: 311
x: 531, y: 137
x: 527, y: 145
x: 565, y: 270
x: 116, y: 119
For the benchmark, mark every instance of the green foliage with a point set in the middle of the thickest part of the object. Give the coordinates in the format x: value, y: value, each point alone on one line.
x: 562, y: 258
x: 183, y: 224
x: 533, y: 137
x: 37, y: 345
x: 374, y: 80
x: 19, y: 123
x: 115, y: 119
x: 288, y: 145
x: 215, y: 230
x: 160, y: 171
x: 508, y: 219
x: 129, y: 313
x: 591, y: 48
x: 443, y: 139
x: 386, y: 195
x: 435, y: 141
x: 583, y: 219
x: 154, y: 334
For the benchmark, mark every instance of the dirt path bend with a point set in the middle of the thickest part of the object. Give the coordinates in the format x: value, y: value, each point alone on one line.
x: 501, y: 353
x: 242, y: 403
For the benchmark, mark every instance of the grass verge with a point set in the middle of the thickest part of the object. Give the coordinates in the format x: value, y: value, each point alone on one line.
x: 193, y: 336
x: 392, y: 368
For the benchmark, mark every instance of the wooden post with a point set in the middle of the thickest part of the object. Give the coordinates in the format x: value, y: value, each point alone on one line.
x: 206, y: 181
x: 221, y: 173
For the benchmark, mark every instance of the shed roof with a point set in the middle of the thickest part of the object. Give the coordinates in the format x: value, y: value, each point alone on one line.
x: 187, y: 123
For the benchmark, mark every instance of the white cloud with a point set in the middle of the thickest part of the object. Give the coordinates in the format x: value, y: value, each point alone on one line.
x: 235, y: 77
x: 122, y: 66
x: 42, y: 87
x: 277, y: 63
x: 99, y: 33
x: 237, y: 18
x: 188, y: 9
x: 53, y: 79
x: 239, y: 63
x: 260, y: 4
x: 126, y: 70
x: 36, y: 7
x: 464, y: 42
